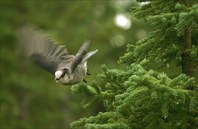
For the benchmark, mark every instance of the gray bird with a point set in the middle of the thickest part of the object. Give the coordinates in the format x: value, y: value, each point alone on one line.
x: 68, y: 69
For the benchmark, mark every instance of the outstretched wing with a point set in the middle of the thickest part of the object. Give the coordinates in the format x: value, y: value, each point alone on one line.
x: 41, y: 49
x: 89, y: 55
x: 79, y: 56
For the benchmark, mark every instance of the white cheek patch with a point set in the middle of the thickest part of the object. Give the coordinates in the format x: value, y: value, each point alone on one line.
x: 69, y: 77
x: 66, y: 79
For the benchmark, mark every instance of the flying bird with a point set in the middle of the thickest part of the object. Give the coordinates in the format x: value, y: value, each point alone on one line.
x: 68, y: 69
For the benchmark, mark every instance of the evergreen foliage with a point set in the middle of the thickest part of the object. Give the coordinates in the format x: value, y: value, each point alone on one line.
x: 141, y: 97
x: 137, y: 98
x: 166, y: 42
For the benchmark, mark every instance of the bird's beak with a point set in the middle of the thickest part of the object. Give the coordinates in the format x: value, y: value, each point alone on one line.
x: 57, y: 78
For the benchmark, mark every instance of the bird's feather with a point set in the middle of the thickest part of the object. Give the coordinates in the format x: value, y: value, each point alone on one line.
x: 79, y: 56
x: 89, y: 55
x: 42, y: 50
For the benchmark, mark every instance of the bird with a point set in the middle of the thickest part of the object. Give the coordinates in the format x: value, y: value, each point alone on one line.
x: 68, y: 69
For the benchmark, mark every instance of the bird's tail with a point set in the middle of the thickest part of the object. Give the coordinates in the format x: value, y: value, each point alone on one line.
x: 89, y: 55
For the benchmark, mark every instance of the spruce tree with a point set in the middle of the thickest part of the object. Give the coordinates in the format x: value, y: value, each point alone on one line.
x: 142, y: 96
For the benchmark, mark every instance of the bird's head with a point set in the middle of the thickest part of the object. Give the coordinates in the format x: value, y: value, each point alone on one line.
x: 60, y: 74
x: 63, y: 76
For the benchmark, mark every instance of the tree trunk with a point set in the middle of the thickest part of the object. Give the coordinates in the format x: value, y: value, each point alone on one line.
x: 187, y: 62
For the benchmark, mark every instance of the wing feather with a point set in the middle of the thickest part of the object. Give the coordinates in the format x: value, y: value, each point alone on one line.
x: 79, y: 56
x: 42, y: 50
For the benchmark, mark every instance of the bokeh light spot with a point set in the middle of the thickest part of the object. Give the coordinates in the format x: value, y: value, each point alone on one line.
x: 123, y: 21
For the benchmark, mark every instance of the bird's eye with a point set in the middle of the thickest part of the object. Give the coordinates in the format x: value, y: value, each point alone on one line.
x: 64, y: 71
x: 63, y: 74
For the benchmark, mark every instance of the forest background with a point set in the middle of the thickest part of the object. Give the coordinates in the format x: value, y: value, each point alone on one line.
x: 30, y: 98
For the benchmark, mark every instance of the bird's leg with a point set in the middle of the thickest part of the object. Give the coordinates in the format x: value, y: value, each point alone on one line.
x: 88, y: 73
x: 84, y: 81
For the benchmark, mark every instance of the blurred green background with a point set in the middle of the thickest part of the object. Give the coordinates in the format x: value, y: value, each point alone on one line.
x: 29, y: 96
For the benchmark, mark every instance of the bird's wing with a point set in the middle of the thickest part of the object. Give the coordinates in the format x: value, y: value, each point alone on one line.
x: 79, y: 56
x: 41, y: 49
x: 89, y: 55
